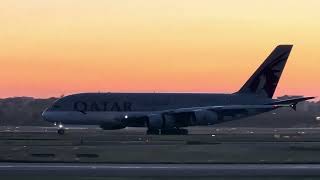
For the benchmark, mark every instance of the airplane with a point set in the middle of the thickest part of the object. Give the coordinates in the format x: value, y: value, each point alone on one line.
x: 170, y: 113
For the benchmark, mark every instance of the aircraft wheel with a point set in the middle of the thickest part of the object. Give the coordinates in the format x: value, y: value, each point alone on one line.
x: 153, y: 132
x: 183, y: 131
x: 61, y: 131
x: 174, y: 131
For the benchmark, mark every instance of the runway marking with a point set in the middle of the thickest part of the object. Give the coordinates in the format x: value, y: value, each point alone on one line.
x: 161, y: 169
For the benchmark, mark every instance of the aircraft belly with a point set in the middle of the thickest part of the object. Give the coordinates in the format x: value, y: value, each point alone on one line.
x: 87, y: 118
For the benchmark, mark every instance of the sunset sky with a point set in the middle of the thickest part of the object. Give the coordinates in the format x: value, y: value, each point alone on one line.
x: 54, y: 47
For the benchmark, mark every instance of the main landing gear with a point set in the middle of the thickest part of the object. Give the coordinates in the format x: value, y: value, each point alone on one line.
x: 174, y: 131
x: 153, y: 131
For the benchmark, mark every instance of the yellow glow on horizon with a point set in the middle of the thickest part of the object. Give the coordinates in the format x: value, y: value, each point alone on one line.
x: 54, y: 47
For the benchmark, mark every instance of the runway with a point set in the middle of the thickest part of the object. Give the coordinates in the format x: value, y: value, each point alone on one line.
x: 142, y: 131
x: 207, y: 152
x: 132, y: 145
x: 167, y: 170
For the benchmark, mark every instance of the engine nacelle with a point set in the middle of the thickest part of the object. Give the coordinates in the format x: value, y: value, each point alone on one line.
x: 183, y: 119
x: 169, y: 121
x: 155, y: 121
x: 206, y: 117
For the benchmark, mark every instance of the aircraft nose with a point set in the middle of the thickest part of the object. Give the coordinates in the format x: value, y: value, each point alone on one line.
x: 45, y: 114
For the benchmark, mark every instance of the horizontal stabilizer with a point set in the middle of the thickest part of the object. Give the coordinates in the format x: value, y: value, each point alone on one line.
x: 291, y: 101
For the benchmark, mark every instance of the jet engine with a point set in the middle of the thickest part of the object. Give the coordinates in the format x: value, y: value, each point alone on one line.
x: 155, y: 121
x: 205, y: 117
x: 183, y: 119
x: 169, y: 121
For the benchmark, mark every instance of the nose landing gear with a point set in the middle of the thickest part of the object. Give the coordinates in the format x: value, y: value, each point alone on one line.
x: 61, y: 129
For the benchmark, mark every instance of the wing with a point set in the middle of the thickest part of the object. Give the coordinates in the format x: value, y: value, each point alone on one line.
x: 206, y: 115
x: 227, y: 108
x: 271, y: 106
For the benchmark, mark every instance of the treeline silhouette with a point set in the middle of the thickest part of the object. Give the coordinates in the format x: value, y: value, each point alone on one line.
x: 23, y: 111
x: 26, y: 111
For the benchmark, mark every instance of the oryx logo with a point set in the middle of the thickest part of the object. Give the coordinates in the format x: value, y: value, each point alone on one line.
x: 265, y: 79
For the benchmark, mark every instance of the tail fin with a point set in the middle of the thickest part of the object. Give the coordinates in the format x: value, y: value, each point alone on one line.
x: 265, y: 80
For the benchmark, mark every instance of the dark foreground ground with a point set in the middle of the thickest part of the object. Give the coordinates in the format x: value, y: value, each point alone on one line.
x: 238, y: 147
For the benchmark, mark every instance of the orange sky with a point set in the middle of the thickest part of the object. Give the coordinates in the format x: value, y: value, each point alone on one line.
x: 54, y: 47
